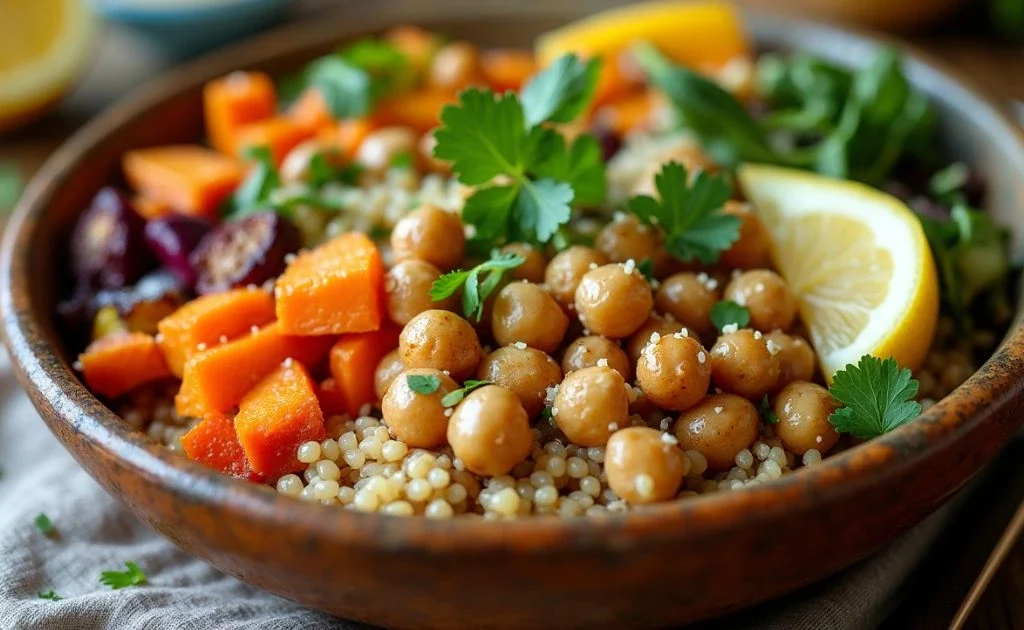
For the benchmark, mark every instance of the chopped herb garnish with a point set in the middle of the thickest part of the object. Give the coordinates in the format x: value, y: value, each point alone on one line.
x: 44, y: 525
x: 646, y: 268
x: 454, y: 397
x: 262, y: 179
x: 11, y: 184
x: 354, y: 78
x: 766, y: 411
x: 727, y: 312
x: 50, y: 595
x: 690, y: 214
x: 878, y: 396
x: 123, y: 579
x: 561, y: 91
x: 423, y: 383
x: 476, y: 289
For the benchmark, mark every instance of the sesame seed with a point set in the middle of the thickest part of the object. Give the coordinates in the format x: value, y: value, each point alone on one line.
x: 200, y: 347
x: 448, y: 412
x: 520, y: 345
x: 602, y: 362
x: 289, y: 258
x: 664, y: 424
x: 729, y: 329
x: 719, y: 409
x: 592, y: 266
x: 773, y: 348
x: 629, y: 266
x: 701, y: 357
x: 757, y: 334
x: 613, y: 426
x: 159, y: 337
x: 254, y: 329
x: 655, y: 338
x: 287, y: 363
x: 223, y: 339
x: 668, y: 438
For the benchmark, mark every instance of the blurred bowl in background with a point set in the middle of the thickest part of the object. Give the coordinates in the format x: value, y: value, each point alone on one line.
x: 183, y: 28
x: 898, y: 15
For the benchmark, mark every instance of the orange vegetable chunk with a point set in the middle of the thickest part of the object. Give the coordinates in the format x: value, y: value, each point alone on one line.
x: 310, y: 111
x: 627, y: 113
x: 354, y: 360
x: 215, y: 380
x: 206, y: 320
x: 507, y: 69
x: 418, y: 45
x: 189, y: 178
x: 213, y: 442
x: 233, y: 101
x: 420, y: 109
x: 150, y: 209
x: 332, y: 399
x: 333, y: 289
x: 118, y: 363
x: 276, y: 417
x: 280, y: 134
x: 348, y: 134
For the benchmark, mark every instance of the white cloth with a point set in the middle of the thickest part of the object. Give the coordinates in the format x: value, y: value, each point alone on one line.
x: 182, y: 592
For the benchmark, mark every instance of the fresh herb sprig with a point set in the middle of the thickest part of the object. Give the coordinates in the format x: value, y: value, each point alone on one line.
x: 262, y: 187
x: 765, y: 407
x: 50, y: 595
x: 877, y: 396
x: 727, y: 312
x: 355, y: 77
x: 476, y: 283
x: 123, y: 579
x: 456, y: 396
x: 45, y: 525
x: 424, y: 384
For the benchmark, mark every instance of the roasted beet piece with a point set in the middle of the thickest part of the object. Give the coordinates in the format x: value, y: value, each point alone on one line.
x: 107, y: 246
x: 248, y: 250
x: 172, y: 238
x: 155, y: 296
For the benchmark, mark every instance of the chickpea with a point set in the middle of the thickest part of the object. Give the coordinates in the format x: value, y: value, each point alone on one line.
x: 567, y: 268
x: 440, y: 340
x: 718, y: 428
x: 741, y: 364
x: 796, y: 358
x: 525, y: 312
x: 591, y: 404
x: 426, y: 153
x: 750, y: 250
x: 387, y: 371
x: 526, y: 372
x: 642, y: 466
x: 430, y: 234
x: 803, y: 410
x: 627, y: 238
x: 379, y: 149
x: 417, y: 419
x: 490, y: 431
x: 674, y: 372
x: 767, y: 297
x: 688, y: 297
x: 654, y: 324
x: 613, y: 300
x: 295, y: 166
x: 587, y: 351
x: 455, y: 66
x: 531, y: 270
x: 406, y: 287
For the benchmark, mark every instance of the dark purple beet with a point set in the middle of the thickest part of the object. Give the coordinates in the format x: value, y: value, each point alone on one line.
x: 609, y: 140
x: 155, y: 296
x: 249, y: 250
x: 172, y: 239
x: 107, y: 246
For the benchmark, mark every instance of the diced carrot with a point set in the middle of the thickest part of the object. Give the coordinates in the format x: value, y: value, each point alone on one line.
x: 353, y: 362
x: 215, y: 380
x: 117, y: 364
x: 280, y: 134
x: 276, y: 417
x: 627, y: 113
x: 310, y: 111
x: 210, y: 320
x: 150, y: 209
x: 417, y: 44
x: 213, y: 442
x: 189, y: 178
x: 333, y: 289
x: 613, y: 83
x: 507, y: 69
x: 233, y: 101
x: 420, y: 109
x: 332, y: 399
x: 348, y: 134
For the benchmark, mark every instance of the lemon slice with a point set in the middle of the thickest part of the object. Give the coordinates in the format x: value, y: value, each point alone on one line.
x: 44, y: 45
x: 857, y: 261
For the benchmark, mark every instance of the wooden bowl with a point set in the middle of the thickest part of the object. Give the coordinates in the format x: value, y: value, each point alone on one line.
x: 676, y: 562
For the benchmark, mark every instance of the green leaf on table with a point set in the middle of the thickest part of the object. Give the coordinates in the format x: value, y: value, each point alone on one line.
x: 50, y: 595
x: 44, y: 525
x: 133, y: 576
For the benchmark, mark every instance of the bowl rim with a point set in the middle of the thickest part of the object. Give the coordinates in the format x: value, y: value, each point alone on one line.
x: 66, y: 404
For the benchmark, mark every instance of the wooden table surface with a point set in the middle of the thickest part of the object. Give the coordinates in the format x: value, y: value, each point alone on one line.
x: 940, y: 586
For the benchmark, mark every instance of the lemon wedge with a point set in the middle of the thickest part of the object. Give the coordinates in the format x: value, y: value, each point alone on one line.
x: 857, y: 261
x: 45, y: 43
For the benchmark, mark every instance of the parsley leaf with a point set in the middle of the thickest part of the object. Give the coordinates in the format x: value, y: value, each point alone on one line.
x: 455, y: 396
x: 122, y: 579
x: 50, y: 595
x: 11, y: 185
x: 726, y: 312
x: 767, y: 412
x: 561, y: 91
x: 878, y: 396
x: 423, y: 383
x: 581, y: 165
x: 484, y: 136
x: 44, y: 525
x: 475, y: 292
x: 689, y: 214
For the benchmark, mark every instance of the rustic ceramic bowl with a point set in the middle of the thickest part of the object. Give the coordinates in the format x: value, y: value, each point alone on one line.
x: 674, y: 563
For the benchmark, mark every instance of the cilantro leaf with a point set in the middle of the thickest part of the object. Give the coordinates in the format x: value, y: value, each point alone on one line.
x: 484, y: 136
x: 455, y: 396
x: 767, y: 412
x: 122, y: 579
x: 689, y: 214
x: 50, y: 595
x: 43, y: 524
x: 475, y: 292
x: 878, y: 396
x: 561, y: 91
x: 541, y: 207
x: 726, y: 312
x: 423, y: 383
x: 581, y: 165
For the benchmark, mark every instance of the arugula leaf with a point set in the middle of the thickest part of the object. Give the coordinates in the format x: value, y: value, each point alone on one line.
x: 878, y: 396
x: 43, y: 524
x: 261, y: 180
x: 767, y: 412
x: 11, y: 185
x: 50, y: 595
x: 727, y: 312
x: 475, y: 291
x: 122, y: 579
x: 689, y: 214
x: 423, y: 383
x: 561, y: 91
x: 454, y: 397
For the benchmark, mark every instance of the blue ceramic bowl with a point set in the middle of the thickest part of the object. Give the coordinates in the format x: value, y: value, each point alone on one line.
x: 190, y: 27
